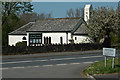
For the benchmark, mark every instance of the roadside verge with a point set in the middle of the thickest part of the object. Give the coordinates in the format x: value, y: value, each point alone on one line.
x: 98, y: 70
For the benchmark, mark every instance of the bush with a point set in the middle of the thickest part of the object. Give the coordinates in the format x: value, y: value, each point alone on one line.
x: 21, y: 44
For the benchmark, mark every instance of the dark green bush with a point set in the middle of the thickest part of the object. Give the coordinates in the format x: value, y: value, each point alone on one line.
x: 21, y: 44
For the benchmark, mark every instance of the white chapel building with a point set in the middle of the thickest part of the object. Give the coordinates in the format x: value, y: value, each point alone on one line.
x: 53, y: 31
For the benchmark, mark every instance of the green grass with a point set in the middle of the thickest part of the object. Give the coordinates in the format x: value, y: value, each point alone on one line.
x: 99, y: 68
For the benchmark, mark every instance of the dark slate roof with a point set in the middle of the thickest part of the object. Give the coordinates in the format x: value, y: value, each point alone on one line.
x: 60, y: 24
x: 56, y: 24
x: 23, y: 29
x: 81, y: 30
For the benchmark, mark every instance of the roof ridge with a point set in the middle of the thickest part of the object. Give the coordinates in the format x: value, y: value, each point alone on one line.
x: 60, y: 18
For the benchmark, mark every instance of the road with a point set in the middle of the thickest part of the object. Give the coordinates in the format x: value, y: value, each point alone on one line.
x: 48, y: 67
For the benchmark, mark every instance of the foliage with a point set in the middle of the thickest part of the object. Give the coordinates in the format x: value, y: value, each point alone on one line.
x: 17, y: 14
x: 99, y: 68
x: 15, y: 8
x: 10, y: 17
x: 103, y: 22
x: 21, y: 44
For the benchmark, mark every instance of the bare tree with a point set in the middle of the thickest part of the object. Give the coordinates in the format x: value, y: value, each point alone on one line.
x: 70, y: 13
x: 78, y: 12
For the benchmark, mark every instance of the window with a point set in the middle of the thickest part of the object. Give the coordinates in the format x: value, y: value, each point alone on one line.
x: 24, y: 38
x: 75, y: 38
x: 47, y: 40
x: 35, y: 39
x: 39, y: 41
x: 61, y: 40
x: 86, y: 12
x: 31, y: 41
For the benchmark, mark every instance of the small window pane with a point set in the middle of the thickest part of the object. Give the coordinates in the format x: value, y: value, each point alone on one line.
x: 31, y: 41
x: 36, y: 40
x: 75, y: 38
x: 39, y: 40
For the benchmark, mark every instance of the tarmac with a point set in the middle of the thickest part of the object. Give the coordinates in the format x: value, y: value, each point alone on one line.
x: 96, y: 77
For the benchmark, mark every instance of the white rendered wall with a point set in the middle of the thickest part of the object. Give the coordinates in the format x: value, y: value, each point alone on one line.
x: 13, y: 39
x: 55, y: 37
x: 69, y: 37
x: 81, y: 39
x: 27, y: 39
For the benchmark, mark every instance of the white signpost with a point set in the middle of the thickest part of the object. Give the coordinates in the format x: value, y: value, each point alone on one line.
x: 109, y: 52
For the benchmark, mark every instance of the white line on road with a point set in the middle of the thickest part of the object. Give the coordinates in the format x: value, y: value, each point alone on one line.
x: 75, y: 63
x: 36, y: 66
x: 47, y: 65
x: 48, y: 60
x: 88, y: 62
x: 40, y: 60
x: 17, y: 67
x: 16, y: 62
x: 3, y: 68
x: 63, y: 64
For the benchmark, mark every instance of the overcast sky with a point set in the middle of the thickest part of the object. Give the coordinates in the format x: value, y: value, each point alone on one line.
x: 75, y: 0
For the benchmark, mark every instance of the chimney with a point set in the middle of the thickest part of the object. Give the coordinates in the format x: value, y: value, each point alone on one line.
x: 87, y: 12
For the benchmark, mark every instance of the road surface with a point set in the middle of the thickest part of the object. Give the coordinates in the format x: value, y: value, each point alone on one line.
x: 49, y: 67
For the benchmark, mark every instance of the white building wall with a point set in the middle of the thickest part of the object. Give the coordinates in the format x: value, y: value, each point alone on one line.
x: 27, y: 39
x: 69, y: 37
x: 55, y: 37
x: 81, y: 39
x: 13, y: 39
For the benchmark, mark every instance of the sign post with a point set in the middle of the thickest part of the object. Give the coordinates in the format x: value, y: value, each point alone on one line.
x: 105, y: 60
x: 109, y: 52
x: 113, y: 62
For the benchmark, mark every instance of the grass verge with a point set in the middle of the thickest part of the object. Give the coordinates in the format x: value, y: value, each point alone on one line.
x: 99, y: 68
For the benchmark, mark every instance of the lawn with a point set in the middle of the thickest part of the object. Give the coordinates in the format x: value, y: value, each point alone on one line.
x: 99, y: 68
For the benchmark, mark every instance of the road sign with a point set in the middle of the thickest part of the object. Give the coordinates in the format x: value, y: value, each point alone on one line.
x: 109, y: 52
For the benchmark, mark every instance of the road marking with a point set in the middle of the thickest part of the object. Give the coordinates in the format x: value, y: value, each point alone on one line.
x: 75, y: 63
x: 36, y: 66
x: 55, y: 59
x: 47, y: 65
x: 49, y: 60
x: 90, y: 57
x: 17, y: 67
x: 16, y: 62
x: 61, y: 64
x: 4, y: 68
x: 88, y: 62
x: 40, y: 60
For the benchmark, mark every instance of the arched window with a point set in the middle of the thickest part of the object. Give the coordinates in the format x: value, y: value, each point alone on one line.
x: 24, y: 38
x: 61, y: 40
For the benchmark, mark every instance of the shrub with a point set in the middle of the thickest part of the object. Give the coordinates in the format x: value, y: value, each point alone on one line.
x: 21, y: 44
